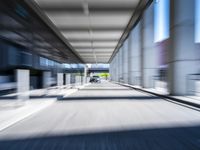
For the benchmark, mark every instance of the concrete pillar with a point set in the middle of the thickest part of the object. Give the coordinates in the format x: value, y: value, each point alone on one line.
x: 82, y: 80
x: 115, y: 73
x: 149, y: 53
x: 23, y: 83
x: 78, y: 80
x: 88, y: 79
x: 59, y: 79
x: 183, y: 52
x: 111, y: 69
x: 125, y: 61
x: 72, y: 78
x: 117, y: 67
x: 46, y: 79
x: 67, y: 79
x: 120, y: 64
x: 85, y: 74
x: 129, y: 58
x: 135, y: 56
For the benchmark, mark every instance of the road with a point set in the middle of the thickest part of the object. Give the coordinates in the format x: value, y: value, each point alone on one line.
x: 107, y: 116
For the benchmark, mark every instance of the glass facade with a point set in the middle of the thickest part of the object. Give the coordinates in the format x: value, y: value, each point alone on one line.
x: 197, y: 21
x: 161, y: 20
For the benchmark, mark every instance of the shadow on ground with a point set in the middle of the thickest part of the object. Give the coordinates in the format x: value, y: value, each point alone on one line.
x: 101, y: 89
x: 180, y: 138
x: 31, y: 97
x: 109, y: 98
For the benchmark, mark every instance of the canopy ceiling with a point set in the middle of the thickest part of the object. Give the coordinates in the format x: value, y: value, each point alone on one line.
x: 92, y: 27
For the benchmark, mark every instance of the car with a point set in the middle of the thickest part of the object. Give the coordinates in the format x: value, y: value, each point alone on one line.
x: 95, y: 79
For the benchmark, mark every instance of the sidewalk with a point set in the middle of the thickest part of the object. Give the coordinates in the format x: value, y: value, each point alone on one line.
x: 13, y: 110
x: 193, y: 101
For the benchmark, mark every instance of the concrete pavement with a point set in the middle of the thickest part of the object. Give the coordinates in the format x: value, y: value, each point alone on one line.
x: 13, y: 110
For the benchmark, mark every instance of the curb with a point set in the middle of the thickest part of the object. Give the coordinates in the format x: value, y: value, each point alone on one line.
x: 166, y: 97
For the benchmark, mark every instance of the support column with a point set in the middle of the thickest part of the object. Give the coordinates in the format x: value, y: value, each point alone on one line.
x: 23, y: 84
x: 117, y: 67
x: 120, y: 65
x: 149, y: 52
x: 67, y: 79
x: 78, y: 80
x: 114, y: 73
x: 59, y: 79
x: 183, y: 52
x: 85, y: 74
x: 46, y: 79
x: 129, y: 59
x: 111, y: 69
x: 125, y: 61
x: 82, y: 79
x: 135, y: 55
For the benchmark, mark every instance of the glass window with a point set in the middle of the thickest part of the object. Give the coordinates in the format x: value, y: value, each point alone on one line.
x: 197, y: 21
x: 161, y: 20
x: 43, y: 61
x: 51, y: 63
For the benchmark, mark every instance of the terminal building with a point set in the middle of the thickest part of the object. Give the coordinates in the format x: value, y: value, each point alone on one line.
x: 151, y: 44
x: 145, y: 54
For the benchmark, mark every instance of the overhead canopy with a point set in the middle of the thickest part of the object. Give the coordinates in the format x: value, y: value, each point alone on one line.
x: 25, y: 30
x: 92, y: 27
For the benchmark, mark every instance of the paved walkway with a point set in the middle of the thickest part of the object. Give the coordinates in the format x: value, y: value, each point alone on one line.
x: 13, y: 110
x: 107, y: 116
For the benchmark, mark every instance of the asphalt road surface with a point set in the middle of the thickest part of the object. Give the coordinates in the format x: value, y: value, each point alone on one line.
x: 106, y: 116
